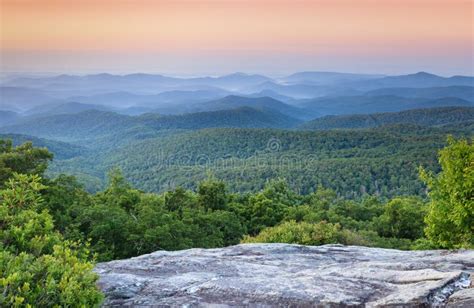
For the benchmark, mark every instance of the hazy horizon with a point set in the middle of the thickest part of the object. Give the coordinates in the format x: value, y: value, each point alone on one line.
x: 211, y: 74
x: 221, y: 37
x: 189, y: 71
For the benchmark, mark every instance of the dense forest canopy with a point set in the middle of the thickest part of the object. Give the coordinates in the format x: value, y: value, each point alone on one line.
x: 376, y: 161
x: 248, y: 145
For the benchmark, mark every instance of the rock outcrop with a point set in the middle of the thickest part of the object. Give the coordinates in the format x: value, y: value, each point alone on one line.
x: 291, y: 275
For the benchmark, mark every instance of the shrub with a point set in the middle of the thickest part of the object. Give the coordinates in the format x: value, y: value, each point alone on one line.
x: 321, y: 233
x: 298, y: 233
x: 36, y: 267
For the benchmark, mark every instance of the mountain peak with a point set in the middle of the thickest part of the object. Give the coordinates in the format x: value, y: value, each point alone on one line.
x: 424, y: 74
x: 232, y: 96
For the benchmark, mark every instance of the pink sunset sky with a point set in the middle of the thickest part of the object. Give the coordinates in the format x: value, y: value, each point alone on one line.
x: 217, y: 37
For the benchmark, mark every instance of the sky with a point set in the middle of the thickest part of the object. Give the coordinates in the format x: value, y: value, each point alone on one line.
x: 256, y: 36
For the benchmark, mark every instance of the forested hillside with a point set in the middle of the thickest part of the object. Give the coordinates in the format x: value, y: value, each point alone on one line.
x: 95, y: 124
x: 425, y: 117
x: 67, y: 127
x: 377, y: 161
x: 159, y: 152
x: 245, y: 117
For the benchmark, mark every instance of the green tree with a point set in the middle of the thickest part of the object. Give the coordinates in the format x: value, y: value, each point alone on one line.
x: 450, y: 220
x: 154, y: 227
x: 38, y: 268
x: 179, y: 199
x: 264, y: 212
x: 402, y: 218
x: 212, y: 194
x: 65, y: 199
x: 228, y: 225
x: 119, y: 192
x: 278, y: 191
x: 322, y: 198
x: 24, y: 159
x: 108, y: 228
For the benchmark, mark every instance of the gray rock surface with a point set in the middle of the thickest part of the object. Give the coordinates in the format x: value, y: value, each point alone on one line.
x: 462, y: 299
x: 284, y: 275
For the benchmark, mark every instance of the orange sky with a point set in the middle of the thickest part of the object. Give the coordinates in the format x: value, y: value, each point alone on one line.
x: 86, y: 31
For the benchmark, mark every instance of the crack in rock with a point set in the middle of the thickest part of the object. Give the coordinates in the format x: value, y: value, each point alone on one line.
x: 440, y: 297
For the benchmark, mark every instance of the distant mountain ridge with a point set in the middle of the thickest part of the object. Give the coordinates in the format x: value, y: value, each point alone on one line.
x: 365, y: 104
x: 93, y: 123
x: 234, y: 101
x: 137, y: 81
x: 244, y: 117
x: 64, y: 108
x: 151, y: 101
x: 325, y: 78
x: 20, y: 98
x: 138, y: 93
x: 423, y: 117
x: 417, y: 80
x: 463, y: 92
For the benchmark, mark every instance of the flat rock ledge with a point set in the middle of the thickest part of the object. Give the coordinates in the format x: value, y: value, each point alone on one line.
x: 283, y: 275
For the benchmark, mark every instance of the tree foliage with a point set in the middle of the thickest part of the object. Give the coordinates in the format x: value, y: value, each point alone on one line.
x: 450, y: 220
x: 24, y: 159
x: 37, y: 267
x: 402, y: 218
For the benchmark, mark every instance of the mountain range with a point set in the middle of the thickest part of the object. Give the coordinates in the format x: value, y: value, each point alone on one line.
x: 139, y: 93
x: 327, y: 125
